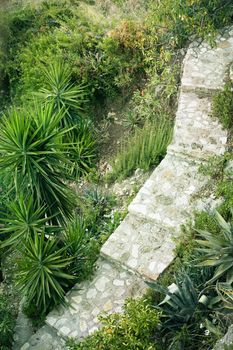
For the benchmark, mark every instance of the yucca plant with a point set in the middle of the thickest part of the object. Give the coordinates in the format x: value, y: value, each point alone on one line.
x: 42, y: 276
x: 80, y: 247
x: 59, y: 90
x: 217, y: 250
x: 34, y: 155
x: 22, y: 220
x: 82, y: 150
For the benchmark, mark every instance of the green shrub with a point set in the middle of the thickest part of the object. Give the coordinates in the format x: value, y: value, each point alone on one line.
x: 7, y: 323
x: 33, y: 155
x: 178, y: 22
x: 42, y: 276
x: 144, y: 149
x: 132, y: 330
x: 222, y: 106
x: 98, y: 57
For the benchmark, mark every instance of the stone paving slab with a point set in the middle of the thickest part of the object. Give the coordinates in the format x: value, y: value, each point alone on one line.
x: 196, y: 133
x: 166, y: 197
x: 206, y: 67
x: 226, y: 343
x: 105, y: 293
x: 45, y: 339
x: 140, y: 246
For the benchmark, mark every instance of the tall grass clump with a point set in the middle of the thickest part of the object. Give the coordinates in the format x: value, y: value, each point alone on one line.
x: 145, y: 149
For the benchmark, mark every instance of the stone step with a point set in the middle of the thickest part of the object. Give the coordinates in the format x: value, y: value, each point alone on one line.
x: 205, y: 67
x: 167, y: 197
x: 196, y: 133
x: 106, y: 292
x: 140, y: 246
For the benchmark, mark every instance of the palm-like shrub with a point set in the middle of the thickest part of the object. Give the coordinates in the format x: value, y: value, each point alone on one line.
x: 217, y: 250
x: 33, y: 154
x: 24, y: 219
x: 60, y: 91
x: 80, y: 247
x: 42, y: 276
x: 82, y: 150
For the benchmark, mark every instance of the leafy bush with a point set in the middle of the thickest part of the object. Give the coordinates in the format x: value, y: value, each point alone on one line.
x: 130, y: 331
x: 32, y: 150
x: 222, y: 106
x: 7, y: 323
x: 145, y: 149
x: 42, y: 276
x: 95, y: 54
x: 178, y: 22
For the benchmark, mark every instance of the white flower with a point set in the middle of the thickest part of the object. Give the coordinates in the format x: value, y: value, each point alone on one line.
x: 207, y: 332
x: 201, y: 325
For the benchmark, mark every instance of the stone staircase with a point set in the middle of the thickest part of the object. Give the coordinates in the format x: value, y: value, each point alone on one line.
x: 142, y: 246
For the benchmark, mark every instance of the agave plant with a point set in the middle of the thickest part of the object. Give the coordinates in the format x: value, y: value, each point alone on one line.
x: 225, y: 292
x: 42, y: 273
x: 34, y: 155
x: 217, y: 250
x: 183, y: 302
x: 60, y: 91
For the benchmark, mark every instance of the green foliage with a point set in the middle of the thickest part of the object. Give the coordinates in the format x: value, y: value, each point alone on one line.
x: 22, y: 220
x: 80, y: 247
x: 132, y: 330
x: 61, y: 93
x: 219, y: 169
x: 222, y: 106
x: 218, y: 250
x: 145, y: 149
x: 180, y: 304
x: 100, y: 217
x: 82, y: 151
x: 185, y: 309
x: 178, y: 22
x: 42, y: 273
x: 7, y: 323
x: 33, y: 155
